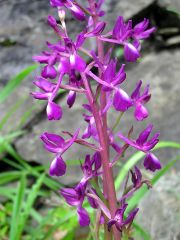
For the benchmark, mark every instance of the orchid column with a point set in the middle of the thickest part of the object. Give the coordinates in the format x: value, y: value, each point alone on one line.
x: 64, y: 58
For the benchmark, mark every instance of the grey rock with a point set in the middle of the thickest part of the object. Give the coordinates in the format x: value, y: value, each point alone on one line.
x: 170, y: 4
x: 160, y: 209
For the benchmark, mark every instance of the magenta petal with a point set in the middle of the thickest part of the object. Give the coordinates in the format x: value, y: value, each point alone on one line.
x: 49, y: 72
x: 40, y: 96
x: 83, y: 216
x: 41, y: 59
x: 151, y: 162
x: 52, y: 138
x: 131, y: 54
x: 140, y: 112
x: 71, y: 196
x: 110, y: 224
x: 52, y: 21
x: 64, y: 66
x: 58, y: 167
x: 56, y: 3
x: 121, y: 101
x: 97, y: 30
x: 45, y: 85
x: 71, y: 98
x: 78, y: 13
x: 143, y: 136
x: 54, y: 111
x: 77, y: 63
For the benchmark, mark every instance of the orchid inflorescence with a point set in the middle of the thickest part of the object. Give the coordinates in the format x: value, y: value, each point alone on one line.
x: 65, y: 68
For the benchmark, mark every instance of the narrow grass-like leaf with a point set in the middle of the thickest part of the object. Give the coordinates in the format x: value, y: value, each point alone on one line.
x: 16, y: 208
x: 29, y: 204
x: 9, y: 176
x: 141, y: 232
x: 7, y: 192
x: 8, y: 148
x: 13, y: 164
x: 137, y: 157
x: 132, y: 203
x: 15, y: 82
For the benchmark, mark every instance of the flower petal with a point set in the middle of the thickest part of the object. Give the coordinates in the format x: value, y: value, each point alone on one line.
x: 151, y: 162
x: 58, y: 167
x: 121, y: 101
x: 54, y: 111
x: 131, y: 54
x: 83, y: 216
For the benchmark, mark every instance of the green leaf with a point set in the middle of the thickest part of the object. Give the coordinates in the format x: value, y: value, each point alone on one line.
x: 137, y: 157
x: 16, y: 209
x: 29, y: 205
x: 9, y: 177
x: 141, y: 232
x: 143, y: 190
x: 15, y: 82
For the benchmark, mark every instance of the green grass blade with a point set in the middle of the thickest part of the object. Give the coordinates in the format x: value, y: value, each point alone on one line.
x: 13, y: 164
x: 137, y: 157
x: 29, y: 204
x: 15, y: 82
x: 9, y: 177
x: 16, y: 208
x: 132, y: 203
x: 141, y: 232
x: 7, y: 192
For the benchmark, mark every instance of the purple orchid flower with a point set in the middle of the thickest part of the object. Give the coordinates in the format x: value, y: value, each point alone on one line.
x: 141, y: 143
x: 119, y: 221
x: 140, y: 111
x: 76, y: 11
x: 75, y: 197
x: 91, y: 166
x: 54, y: 111
x: 56, y: 144
x: 140, y: 30
x: 111, y: 77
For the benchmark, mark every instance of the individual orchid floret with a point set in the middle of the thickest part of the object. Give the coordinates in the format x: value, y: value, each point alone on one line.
x: 49, y: 70
x: 76, y: 10
x: 111, y: 77
x: 119, y: 221
x: 136, y: 177
x: 90, y: 167
x: 121, y: 30
x: 54, y: 111
x: 75, y: 197
x: 140, y: 111
x: 143, y: 144
x: 58, y: 145
x: 140, y: 30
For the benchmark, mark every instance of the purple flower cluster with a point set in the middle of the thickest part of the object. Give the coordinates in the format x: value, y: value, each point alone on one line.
x: 64, y: 67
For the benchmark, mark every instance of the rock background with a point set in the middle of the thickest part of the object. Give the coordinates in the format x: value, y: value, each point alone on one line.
x: 23, y: 32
